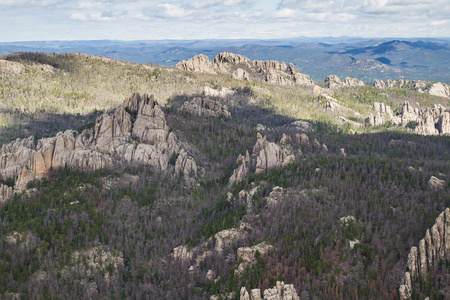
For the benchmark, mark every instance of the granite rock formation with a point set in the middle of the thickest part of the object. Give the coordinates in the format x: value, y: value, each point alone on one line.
x: 11, y: 67
x: 436, y: 89
x: 203, y: 106
x: 280, y: 291
x: 432, y: 248
x: 248, y: 255
x: 136, y: 132
x: 266, y: 155
x: 435, y: 183
x: 5, y: 192
x: 430, y: 121
x: 333, y: 81
x: 239, y: 67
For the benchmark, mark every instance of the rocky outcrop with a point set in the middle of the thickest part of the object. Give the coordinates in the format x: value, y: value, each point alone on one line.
x: 199, y: 253
x: 240, y: 67
x: 203, y: 106
x: 224, y: 92
x: 333, y: 82
x: 6, y: 192
x: 299, y: 125
x: 443, y: 125
x: 270, y: 155
x: 266, y: 155
x: 136, y: 132
x: 435, y: 183
x: 199, y: 63
x: 302, y: 139
x: 249, y: 255
x: 243, y: 169
x: 277, y: 74
x: 280, y: 291
x: 437, y: 89
x: 434, y: 247
x: 382, y: 114
x: 240, y: 74
x: 428, y: 121
x: 11, y: 67
x: 275, y: 196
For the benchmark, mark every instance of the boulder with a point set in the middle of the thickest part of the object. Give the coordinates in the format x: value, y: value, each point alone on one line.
x: 439, y: 89
x: 350, y: 82
x: 302, y: 139
x: 11, y: 67
x: 332, y: 81
x: 240, y: 74
x: 210, y: 275
x: 300, y: 125
x: 435, y: 183
x: 203, y: 106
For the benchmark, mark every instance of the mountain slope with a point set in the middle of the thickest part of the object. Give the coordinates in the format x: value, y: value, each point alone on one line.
x: 333, y: 213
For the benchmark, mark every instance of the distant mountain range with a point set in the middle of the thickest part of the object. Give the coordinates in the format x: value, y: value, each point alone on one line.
x: 366, y: 59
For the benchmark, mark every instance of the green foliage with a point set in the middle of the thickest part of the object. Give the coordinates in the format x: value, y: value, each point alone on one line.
x: 173, y: 158
x: 412, y: 125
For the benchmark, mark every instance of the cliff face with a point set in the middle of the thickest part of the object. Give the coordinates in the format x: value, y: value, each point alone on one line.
x: 136, y: 132
x: 432, y: 248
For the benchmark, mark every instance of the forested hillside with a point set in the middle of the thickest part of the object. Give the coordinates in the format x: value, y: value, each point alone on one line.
x: 222, y: 182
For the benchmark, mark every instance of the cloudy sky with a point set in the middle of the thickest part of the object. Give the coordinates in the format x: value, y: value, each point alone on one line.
x: 36, y: 20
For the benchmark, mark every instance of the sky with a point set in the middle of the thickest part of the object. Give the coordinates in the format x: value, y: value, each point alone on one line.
x: 42, y: 20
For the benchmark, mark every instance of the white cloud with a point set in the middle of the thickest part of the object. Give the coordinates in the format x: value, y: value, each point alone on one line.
x: 438, y: 23
x: 28, y: 2
x: 102, y: 17
x: 168, y: 10
x: 99, y: 17
x: 327, y: 17
x: 14, y: 2
x: 79, y: 17
x: 286, y: 13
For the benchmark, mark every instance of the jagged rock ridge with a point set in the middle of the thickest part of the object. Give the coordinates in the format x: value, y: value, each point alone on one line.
x: 280, y: 291
x: 432, y: 248
x: 430, y: 121
x: 333, y: 82
x: 435, y: 89
x: 238, y: 66
x: 265, y: 155
x: 136, y: 132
